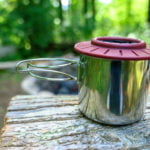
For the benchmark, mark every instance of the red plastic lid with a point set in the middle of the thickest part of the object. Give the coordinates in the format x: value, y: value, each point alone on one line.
x: 118, y: 48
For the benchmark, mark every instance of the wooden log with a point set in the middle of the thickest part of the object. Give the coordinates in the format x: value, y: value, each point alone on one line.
x: 42, y: 122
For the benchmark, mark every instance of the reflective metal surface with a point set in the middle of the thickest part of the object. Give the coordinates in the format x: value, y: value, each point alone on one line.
x: 113, y: 92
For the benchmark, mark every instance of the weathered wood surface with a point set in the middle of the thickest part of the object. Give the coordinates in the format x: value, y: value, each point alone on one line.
x: 41, y: 123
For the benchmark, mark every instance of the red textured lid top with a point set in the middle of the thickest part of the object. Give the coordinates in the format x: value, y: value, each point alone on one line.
x: 118, y: 48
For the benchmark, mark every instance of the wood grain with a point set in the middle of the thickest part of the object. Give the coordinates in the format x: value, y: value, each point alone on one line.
x: 41, y: 123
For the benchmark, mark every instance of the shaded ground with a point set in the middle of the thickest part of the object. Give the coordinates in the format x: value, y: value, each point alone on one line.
x: 9, y: 87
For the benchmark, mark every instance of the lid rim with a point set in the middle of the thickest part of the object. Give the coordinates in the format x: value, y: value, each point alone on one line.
x: 118, y: 50
x: 99, y: 42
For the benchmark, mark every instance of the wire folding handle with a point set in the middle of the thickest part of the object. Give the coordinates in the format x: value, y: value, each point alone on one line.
x: 33, y: 69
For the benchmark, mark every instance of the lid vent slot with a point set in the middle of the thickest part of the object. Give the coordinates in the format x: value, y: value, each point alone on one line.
x: 135, y: 53
x: 121, y: 52
x: 106, y: 51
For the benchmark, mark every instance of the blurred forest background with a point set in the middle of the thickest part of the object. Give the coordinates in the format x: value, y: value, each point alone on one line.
x: 50, y: 28
x: 42, y: 28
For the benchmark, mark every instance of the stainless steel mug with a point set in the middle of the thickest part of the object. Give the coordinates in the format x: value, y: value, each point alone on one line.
x: 113, y: 78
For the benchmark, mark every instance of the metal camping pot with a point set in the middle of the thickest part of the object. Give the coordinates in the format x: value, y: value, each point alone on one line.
x: 113, y: 78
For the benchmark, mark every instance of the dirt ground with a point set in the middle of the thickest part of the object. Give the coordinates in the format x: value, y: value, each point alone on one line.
x: 9, y: 87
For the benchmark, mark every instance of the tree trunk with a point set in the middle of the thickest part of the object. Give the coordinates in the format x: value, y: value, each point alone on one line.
x: 93, y: 11
x: 60, y: 11
x: 148, y: 15
x: 85, y: 6
x: 85, y: 10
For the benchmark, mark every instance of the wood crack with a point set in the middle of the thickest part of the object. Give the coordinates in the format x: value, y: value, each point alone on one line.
x: 38, y: 107
x: 43, y: 120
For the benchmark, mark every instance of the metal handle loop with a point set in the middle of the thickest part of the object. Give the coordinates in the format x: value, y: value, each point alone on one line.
x: 31, y: 68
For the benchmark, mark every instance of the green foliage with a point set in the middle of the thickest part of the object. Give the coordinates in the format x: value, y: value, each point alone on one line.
x: 36, y: 26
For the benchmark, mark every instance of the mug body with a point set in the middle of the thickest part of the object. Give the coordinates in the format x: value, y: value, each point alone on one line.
x: 112, y: 91
x: 113, y: 77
